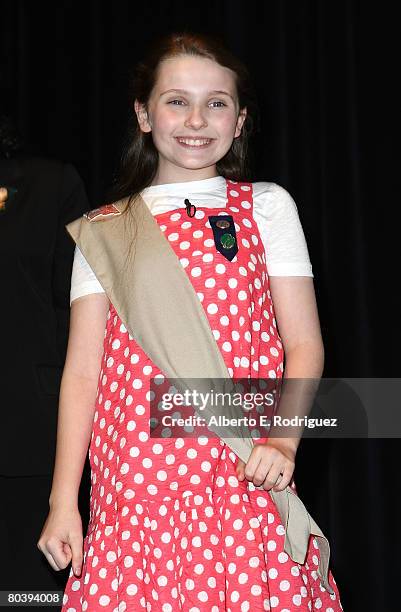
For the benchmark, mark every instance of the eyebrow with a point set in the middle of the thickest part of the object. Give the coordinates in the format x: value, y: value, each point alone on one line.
x: 214, y: 91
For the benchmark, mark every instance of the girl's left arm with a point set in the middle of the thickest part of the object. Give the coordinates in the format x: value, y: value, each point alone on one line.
x: 298, y: 324
x: 272, y: 464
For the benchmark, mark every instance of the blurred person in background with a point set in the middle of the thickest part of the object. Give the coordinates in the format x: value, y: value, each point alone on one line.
x: 38, y: 197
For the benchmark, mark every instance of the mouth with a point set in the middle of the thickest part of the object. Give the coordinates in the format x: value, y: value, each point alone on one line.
x: 194, y: 143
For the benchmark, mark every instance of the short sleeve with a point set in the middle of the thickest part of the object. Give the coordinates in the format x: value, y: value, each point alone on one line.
x: 280, y: 229
x: 83, y: 279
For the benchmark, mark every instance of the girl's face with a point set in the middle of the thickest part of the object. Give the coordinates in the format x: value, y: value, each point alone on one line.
x: 193, y: 114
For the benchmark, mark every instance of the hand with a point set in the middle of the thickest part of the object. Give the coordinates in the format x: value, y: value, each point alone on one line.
x: 61, y: 539
x: 270, y: 464
x: 3, y: 197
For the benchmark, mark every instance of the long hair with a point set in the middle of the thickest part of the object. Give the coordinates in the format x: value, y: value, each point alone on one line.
x: 139, y: 160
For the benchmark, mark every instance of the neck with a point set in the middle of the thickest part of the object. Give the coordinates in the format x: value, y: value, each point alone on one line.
x: 182, y: 175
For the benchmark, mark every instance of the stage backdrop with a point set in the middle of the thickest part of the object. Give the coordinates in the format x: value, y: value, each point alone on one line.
x: 324, y: 75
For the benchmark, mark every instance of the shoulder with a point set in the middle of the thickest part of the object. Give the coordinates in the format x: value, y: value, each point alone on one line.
x: 54, y: 181
x: 45, y: 167
x: 106, y: 211
x: 36, y: 164
x: 281, y: 231
x: 271, y: 199
x: 81, y: 226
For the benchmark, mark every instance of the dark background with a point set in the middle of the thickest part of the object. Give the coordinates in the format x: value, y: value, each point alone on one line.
x: 325, y: 74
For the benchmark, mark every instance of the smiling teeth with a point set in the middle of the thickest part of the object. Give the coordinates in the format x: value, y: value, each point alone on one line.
x: 194, y: 143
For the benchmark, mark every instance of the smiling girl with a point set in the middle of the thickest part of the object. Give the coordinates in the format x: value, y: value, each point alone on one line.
x: 177, y: 523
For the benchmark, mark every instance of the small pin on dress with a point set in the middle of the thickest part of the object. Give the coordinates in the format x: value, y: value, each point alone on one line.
x: 191, y: 208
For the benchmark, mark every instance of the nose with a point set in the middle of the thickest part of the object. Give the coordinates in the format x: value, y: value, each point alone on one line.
x: 195, y: 118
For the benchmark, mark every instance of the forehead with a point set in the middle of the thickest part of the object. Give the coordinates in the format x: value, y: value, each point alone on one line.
x: 194, y: 74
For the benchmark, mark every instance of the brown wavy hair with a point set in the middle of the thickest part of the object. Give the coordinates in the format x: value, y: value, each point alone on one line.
x: 139, y: 160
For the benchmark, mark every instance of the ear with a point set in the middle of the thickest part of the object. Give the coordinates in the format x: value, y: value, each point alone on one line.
x: 142, y: 116
x: 240, y: 122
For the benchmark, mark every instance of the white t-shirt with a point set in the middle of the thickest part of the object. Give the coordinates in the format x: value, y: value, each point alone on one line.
x: 274, y: 212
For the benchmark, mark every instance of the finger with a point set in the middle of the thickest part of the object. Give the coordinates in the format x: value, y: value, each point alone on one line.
x: 3, y: 193
x: 252, y: 465
x: 285, y: 480
x: 76, y: 544
x: 240, y: 469
x: 271, y: 479
x: 260, y: 461
x: 263, y: 470
x: 59, y: 553
x: 52, y: 562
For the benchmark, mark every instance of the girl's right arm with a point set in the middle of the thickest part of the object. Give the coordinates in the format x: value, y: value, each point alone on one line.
x: 61, y: 538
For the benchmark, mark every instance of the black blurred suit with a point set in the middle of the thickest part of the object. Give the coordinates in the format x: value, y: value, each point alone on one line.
x: 36, y: 256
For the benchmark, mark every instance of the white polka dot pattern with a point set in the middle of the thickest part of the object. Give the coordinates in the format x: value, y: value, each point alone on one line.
x: 171, y: 528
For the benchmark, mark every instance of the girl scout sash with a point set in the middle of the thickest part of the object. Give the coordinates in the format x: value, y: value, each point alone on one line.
x: 151, y: 292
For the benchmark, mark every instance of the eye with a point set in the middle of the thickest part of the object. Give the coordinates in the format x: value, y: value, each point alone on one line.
x: 178, y: 103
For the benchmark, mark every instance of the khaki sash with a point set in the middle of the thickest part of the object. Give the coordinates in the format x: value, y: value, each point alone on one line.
x: 158, y: 305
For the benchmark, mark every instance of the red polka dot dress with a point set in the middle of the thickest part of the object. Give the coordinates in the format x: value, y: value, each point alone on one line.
x: 171, y: 528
